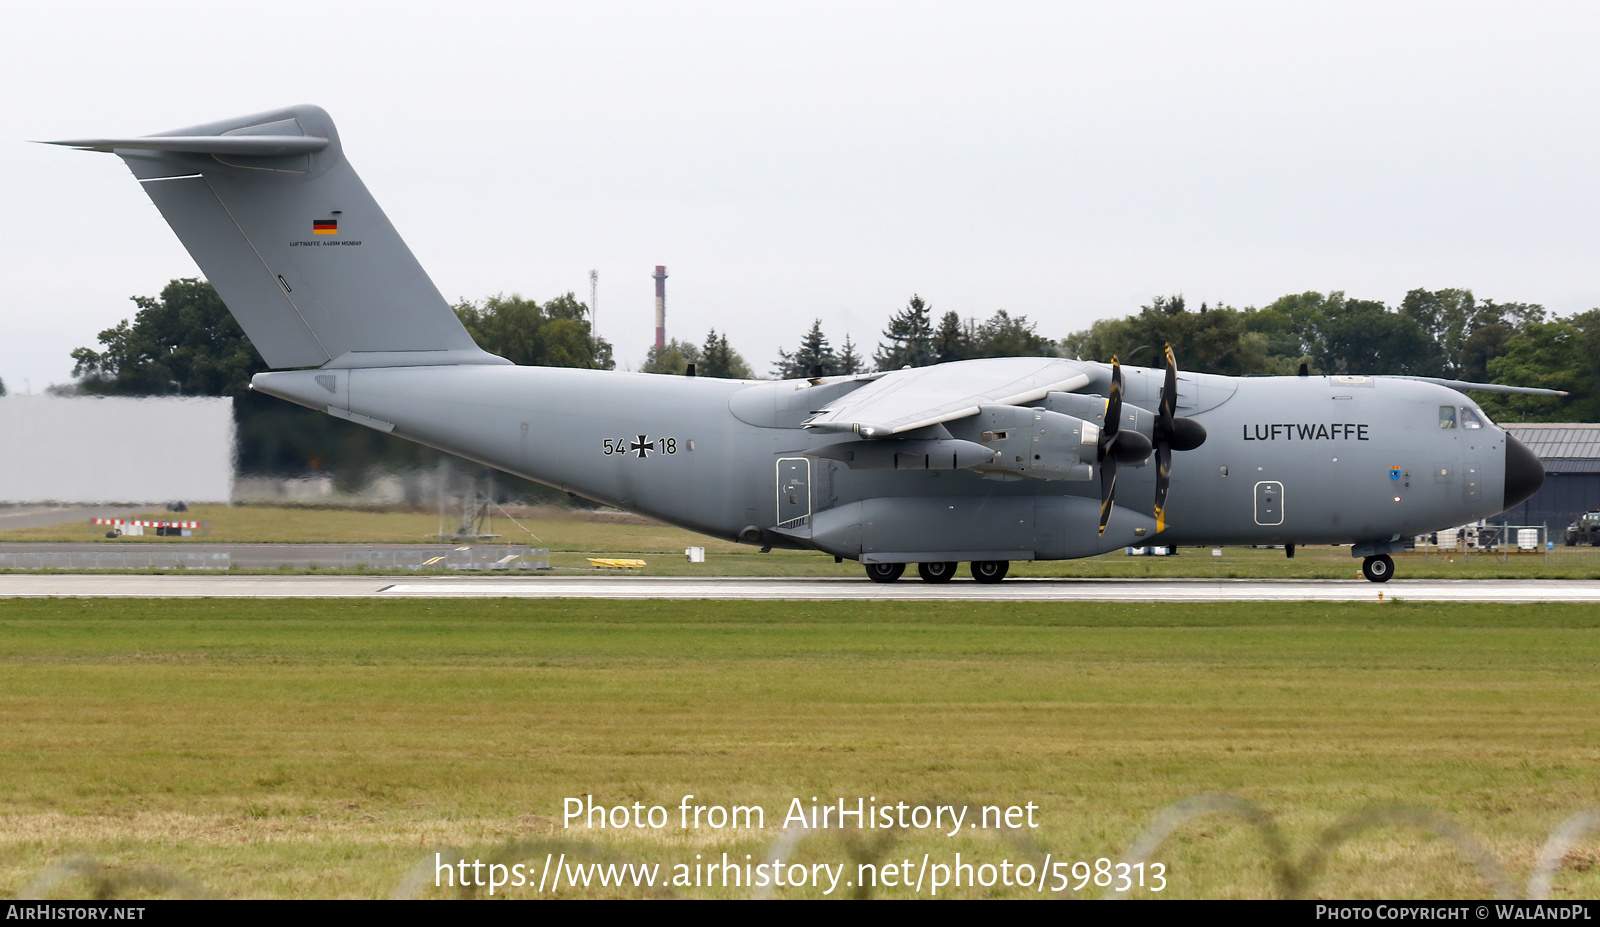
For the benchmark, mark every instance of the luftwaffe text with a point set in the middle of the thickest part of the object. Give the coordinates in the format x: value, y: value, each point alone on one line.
x: 1301, y: 431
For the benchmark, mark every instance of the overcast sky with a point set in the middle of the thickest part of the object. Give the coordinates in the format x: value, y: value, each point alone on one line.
x: 787, y: 162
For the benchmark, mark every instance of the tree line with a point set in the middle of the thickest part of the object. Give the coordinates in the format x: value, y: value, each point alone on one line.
x: 1447, y: 333
x: 185, y: 342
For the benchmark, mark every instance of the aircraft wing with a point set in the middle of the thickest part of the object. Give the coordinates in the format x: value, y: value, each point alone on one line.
x: 905, y: 400
x: 1465, y: 386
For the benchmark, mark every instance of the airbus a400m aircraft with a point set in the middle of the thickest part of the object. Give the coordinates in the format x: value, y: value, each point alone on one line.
x: 983, y: 461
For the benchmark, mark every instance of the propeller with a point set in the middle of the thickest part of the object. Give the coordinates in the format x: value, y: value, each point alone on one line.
x: 1116, y: 445
x: 1171, y: 434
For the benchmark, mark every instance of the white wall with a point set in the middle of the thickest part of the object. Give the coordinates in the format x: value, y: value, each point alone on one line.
x: 115, y: 449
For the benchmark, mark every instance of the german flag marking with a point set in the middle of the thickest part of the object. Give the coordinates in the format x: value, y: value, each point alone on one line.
x: 325, y: 226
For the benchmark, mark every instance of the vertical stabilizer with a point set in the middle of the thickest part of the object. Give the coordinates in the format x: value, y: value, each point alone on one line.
x: 296, y: 247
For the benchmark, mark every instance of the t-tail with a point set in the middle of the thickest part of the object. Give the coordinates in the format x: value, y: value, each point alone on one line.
x: 296, y: 247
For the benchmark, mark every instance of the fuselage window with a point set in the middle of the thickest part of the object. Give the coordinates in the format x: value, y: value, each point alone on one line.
x: 1447, y: 416
x: 1470, y: 419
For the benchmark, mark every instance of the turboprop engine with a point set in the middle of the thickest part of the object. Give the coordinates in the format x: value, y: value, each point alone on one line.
x: 1043, y: 444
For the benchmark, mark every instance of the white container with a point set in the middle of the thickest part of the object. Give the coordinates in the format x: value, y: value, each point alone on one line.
x: 695, y: 554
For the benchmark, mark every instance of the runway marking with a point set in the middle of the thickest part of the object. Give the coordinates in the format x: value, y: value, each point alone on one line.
x: 19, y: 585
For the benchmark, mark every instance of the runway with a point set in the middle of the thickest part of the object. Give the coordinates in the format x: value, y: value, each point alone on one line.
x: 20, y: 585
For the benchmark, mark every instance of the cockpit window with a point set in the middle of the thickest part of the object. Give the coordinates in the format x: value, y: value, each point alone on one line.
x: 1447, y: 416
x: 1470, y: 419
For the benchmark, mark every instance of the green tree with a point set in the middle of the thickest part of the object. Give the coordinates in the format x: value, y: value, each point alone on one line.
x: 2, y: 387
x: 850, y: 362
x: 673, y: 359
x: 183, y: 341
x: 1004, y: 336
x: 1209, y: 341
x: 954, y: 340
x: 813, y: 358
x: 1555, y: 354
x: 555, y: 334
x: 718, y: 359
x: 1364, y: 337
x: 909, y: 338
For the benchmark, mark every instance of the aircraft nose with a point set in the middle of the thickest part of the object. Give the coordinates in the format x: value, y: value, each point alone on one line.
x: 1524, y: 473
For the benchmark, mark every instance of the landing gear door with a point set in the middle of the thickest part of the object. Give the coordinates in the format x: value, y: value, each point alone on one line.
x: 1269, y: 503
x: 794, y: 491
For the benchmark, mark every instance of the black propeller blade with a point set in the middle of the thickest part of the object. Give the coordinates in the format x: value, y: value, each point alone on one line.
x: 1116, y: 445
x: 1108, y: 437
x: 1164, y: 417
x: 1171, y: 434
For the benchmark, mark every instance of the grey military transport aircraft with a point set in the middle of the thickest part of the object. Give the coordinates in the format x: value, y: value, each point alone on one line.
x: 982, y: 461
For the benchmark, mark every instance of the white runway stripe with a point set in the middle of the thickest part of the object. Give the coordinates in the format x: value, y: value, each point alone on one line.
x: 746, y: 588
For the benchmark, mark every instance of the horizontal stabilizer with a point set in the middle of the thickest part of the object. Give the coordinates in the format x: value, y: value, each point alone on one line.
x: 260, y: 146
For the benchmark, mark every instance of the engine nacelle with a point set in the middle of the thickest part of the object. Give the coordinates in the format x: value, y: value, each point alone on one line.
x: 1036, y: 443
x: 1093, y: 409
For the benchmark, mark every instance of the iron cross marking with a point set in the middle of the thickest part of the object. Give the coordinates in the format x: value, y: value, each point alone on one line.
x: 643, y: 446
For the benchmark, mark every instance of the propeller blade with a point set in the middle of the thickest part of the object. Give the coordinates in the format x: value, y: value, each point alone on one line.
x: 1108, y: 428
x: 1108, y: 488
x: 1110, y: 445
x: 1169, y: 395
x: 1163, y: 438
x: 1163, y: 477
x: 1114, y: 404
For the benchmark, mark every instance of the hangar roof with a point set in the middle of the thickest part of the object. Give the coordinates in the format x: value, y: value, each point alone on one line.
x: 1563, y: 447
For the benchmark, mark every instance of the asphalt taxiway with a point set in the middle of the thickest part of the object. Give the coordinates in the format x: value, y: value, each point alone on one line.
x: 17, y: 585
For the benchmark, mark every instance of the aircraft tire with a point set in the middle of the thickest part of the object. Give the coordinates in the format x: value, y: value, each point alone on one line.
x: 990, y: 571
x: 884, y: 572
x: 1378, y: 569
x: 939, y: 571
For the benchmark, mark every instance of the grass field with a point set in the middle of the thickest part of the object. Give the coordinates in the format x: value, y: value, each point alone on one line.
x: 321, y: 749
x: 574, y: 535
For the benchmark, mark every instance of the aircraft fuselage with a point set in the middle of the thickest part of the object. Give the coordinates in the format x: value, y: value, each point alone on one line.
x: 1305, y: 460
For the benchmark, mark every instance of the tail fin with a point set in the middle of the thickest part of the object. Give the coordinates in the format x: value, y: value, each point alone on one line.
x: 295, y: 245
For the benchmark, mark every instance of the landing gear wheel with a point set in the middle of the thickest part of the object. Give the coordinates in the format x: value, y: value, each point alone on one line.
x: 990, y: 571
x: 937, y: 572
x: 884, y: 572
x: 1378, y: 569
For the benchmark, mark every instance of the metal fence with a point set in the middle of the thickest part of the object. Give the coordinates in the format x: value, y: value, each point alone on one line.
x: 1508, y: 543
x: 470, y: 558
x: 116, y: 560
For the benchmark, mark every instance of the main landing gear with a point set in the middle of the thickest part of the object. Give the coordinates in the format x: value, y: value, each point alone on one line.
x: 939, y: 571
x: 1378, y: 569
